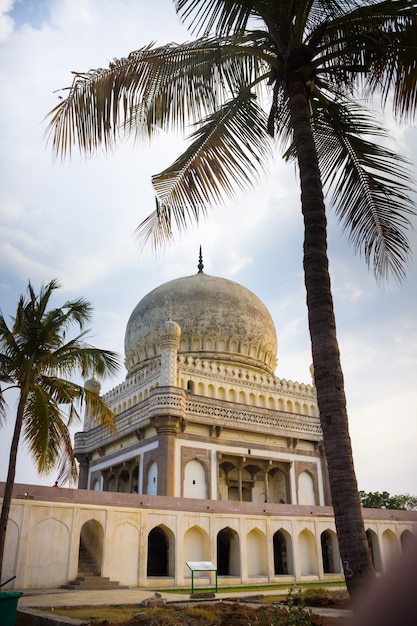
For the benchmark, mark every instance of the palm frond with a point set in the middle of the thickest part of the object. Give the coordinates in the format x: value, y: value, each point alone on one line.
x: 226, y: 153
x: 221, y: 16
x: 380, y: 40
x: 78, y: 356
x: 43, y: 423
x: 371, y: 185
x: 153, y: 88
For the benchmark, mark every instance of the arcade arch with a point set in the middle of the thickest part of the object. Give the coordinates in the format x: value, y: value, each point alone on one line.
x: 161, y: 552
x: 228, y: 552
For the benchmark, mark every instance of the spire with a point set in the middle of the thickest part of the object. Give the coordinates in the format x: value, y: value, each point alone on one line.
x: 200, y: 263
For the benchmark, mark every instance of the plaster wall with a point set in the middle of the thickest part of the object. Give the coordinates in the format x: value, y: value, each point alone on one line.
x: 45, y: 526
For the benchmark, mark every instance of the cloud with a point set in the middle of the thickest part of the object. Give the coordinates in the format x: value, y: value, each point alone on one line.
x: 6, y: 21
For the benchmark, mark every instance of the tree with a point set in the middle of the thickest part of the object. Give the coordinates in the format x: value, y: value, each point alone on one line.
x: 289, y: 70
x: 37, y: 358
x: 383, y: 500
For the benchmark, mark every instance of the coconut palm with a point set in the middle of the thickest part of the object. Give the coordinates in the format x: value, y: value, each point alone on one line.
x: 262, y: 76
x: 37, y: 358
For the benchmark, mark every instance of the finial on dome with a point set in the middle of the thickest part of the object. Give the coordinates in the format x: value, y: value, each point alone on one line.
x: 200, y: 263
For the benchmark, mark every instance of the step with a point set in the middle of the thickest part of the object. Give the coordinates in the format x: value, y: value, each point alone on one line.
x: 93, y: 583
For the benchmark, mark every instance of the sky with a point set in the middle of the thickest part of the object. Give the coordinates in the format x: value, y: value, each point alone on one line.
x: 75, y: 221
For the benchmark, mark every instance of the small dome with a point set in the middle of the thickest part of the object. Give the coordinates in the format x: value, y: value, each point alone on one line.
x: 93, y: 385
x: 218, y: 320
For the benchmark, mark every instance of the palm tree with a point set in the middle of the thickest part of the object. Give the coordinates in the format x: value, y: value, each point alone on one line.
x: 268, y: 74
x: 36, y: 358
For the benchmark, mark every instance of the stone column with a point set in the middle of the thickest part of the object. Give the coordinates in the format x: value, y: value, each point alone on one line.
x: 167, y: 417
x: 239, y: 487
x: 84, y: 466
x: 266, y: 481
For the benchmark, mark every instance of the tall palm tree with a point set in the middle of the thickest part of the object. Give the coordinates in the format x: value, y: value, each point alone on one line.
x: 37, y: 358
x: 268, y: 74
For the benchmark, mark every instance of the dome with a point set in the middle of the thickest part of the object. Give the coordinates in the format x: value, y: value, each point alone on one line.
x: 218, y: 318
x: 93, y: 385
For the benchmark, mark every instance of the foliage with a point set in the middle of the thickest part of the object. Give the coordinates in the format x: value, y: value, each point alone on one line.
x: 38, y: 358
x: 383, y: 500
x: 298, y: 615
x: 293, y: 613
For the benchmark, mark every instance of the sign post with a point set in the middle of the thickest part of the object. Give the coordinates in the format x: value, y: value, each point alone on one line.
x: 200, y: 566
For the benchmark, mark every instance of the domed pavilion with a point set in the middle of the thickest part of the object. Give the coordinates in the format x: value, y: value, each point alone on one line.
x: 201, y: 413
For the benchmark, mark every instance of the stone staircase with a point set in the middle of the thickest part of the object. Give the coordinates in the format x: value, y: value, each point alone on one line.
x: 91, y: 583
x: 89, y: 575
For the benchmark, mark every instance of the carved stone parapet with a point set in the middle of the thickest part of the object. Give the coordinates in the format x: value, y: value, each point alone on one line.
x: 167, y: 401
x: 255, y: 419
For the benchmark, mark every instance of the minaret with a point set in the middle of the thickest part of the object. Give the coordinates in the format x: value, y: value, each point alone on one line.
x: 93, y: 386
x: 170, y: 341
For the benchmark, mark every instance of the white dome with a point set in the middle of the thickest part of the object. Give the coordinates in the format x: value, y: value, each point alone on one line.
x: 219, y: 320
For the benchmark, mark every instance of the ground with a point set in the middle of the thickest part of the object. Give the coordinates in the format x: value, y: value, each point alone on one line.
x: 261, y: 611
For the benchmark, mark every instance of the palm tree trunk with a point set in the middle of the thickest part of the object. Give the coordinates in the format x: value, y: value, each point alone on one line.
x: 8, y: 492
x: 328, y: 374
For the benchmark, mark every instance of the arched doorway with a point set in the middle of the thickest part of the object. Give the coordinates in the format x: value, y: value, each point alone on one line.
x: 228, y: 557
x: 283, y: 564
x: 373, y: 546
x: 160, y: 552
x: 90, y: 553
x: 330, y: 552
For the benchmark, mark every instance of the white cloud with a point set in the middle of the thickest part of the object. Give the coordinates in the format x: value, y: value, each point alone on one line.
x: 6, y: 21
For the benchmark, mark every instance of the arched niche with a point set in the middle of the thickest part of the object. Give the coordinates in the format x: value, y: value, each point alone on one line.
x: 306, y: 489
x: 307, y: 553
x: 196, y: 547
x: 152, y: 479
x: 257, y: 558
x: 195, y: 480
